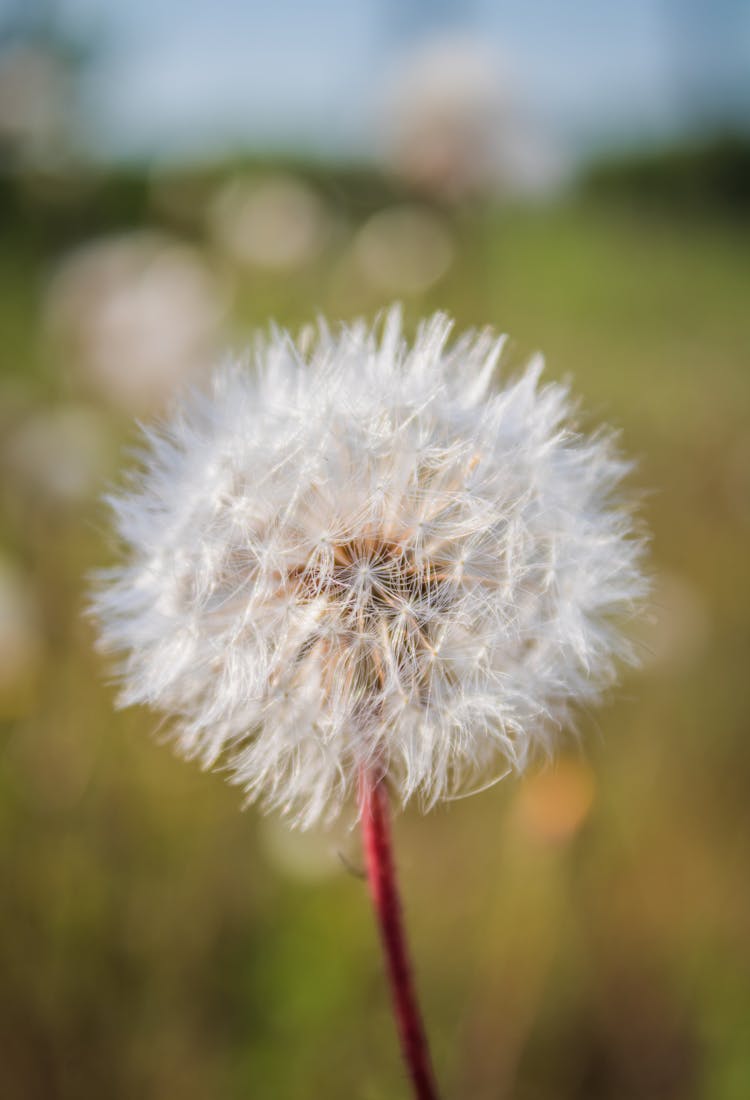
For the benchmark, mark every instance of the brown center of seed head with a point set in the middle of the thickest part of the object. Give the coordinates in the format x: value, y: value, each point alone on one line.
x: 381, y: 633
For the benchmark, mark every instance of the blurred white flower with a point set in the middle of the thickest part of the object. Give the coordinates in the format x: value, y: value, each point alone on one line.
x: 62, y: 454
x: 453, y: 129
x: 353, y: 553
x: 20, y: 639
x: 35, y: 103
x: 135, y: 315
x: 403, y: 249
x: 278, y: 222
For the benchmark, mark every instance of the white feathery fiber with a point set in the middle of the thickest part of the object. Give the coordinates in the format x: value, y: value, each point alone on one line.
x: 351, y: 552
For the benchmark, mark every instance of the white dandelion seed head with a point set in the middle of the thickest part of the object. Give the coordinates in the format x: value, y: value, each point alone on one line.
x: 356, y: 553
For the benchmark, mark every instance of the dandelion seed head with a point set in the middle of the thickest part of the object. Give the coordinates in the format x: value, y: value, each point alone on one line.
x: 355, y: 552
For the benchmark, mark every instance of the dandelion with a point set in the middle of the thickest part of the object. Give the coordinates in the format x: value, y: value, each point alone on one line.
x: 454, y: 126
x: 136, y: 315
x: 278, y: 223
x: 404, y: 249
x: 356, y: 567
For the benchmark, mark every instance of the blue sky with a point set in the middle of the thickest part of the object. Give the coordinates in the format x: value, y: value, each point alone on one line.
x: 175, y: 77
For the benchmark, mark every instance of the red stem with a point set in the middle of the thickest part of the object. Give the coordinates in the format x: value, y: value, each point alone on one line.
x: 381, y: 875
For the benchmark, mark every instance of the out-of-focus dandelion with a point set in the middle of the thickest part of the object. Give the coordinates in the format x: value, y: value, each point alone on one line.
x: 452, y: 127
x: 353, y: 564
x: 403, y: 249
x: 36, y: 98
x: 20, y: 640
x: 278, y: 223
x: 135, y: 316
x: 59, y: 455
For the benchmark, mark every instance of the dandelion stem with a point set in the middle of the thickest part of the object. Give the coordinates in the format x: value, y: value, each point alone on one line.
x: 381, y: 875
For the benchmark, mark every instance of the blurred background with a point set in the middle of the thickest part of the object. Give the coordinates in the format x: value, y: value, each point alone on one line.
x: 174, y: 175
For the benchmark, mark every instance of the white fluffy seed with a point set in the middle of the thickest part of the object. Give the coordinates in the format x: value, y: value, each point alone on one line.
x: 363, y: 554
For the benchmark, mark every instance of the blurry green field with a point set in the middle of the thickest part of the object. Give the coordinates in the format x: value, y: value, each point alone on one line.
x: 586, y: 934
